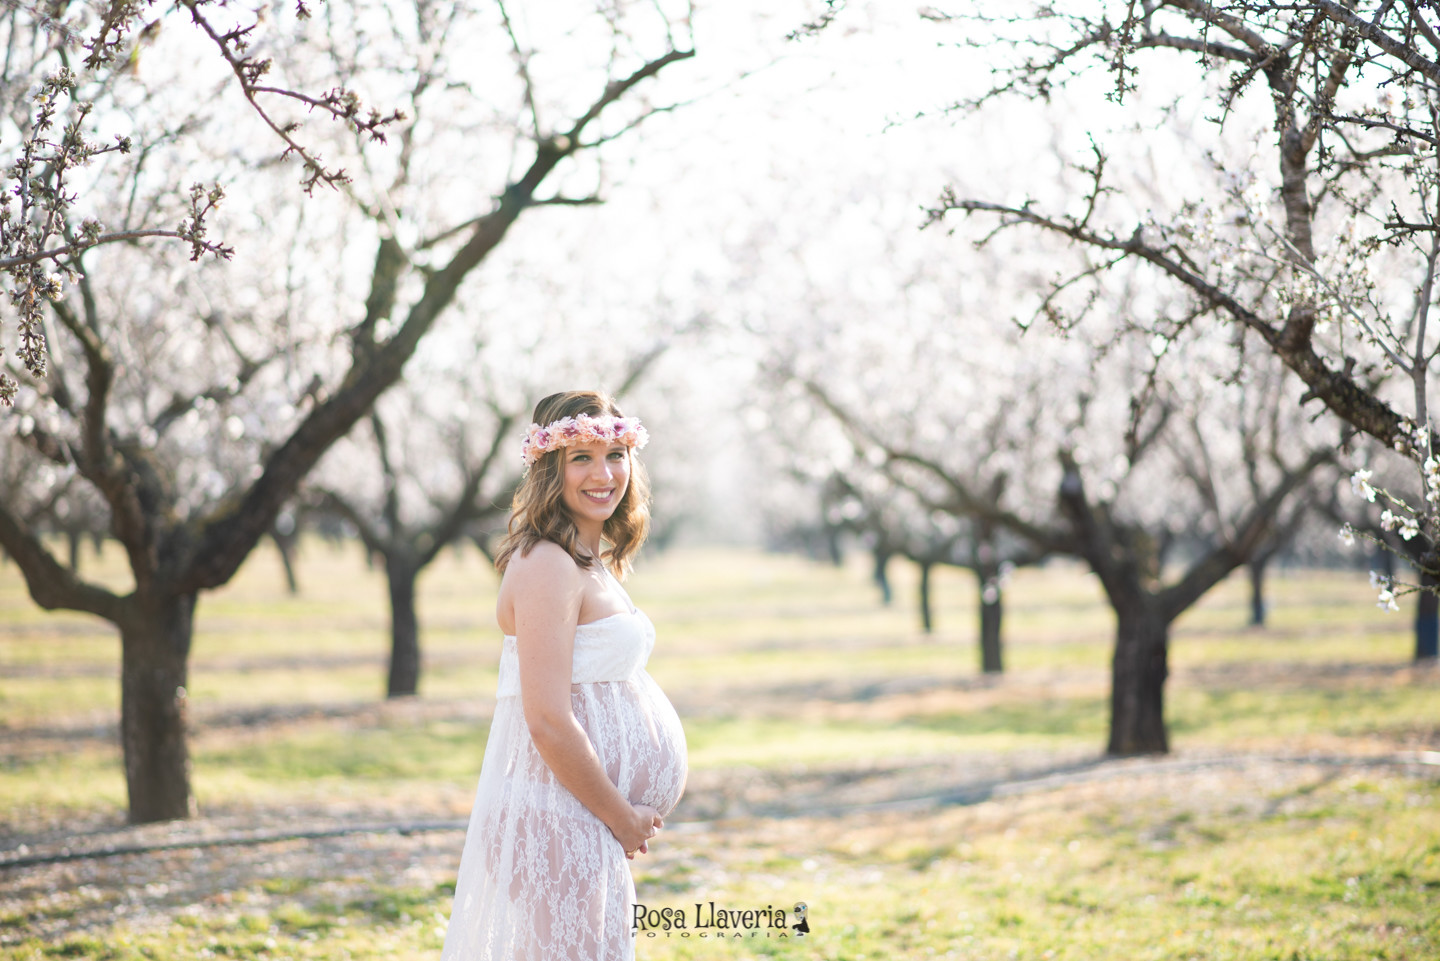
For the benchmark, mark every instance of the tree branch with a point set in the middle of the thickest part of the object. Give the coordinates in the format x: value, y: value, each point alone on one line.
x: 71, y: 249
x: 465, y: 507
x: 966, y: 502
x: 99, y: 461
x: 1401, y: 51
x: 1231, y: 553
x: 1203, y: 47
x: 222, y: 541
x: 51, y: 584
x: 342, y: 104
x: 1337, y: 389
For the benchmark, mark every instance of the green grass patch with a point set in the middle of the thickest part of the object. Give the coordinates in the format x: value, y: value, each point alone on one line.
x: 1398, y: 712
x: 1096, y: 877
x: 1049, y: 721
x: 438, y: 750
x: 768, y: 742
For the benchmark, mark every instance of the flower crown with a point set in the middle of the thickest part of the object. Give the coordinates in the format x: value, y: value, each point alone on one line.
x: 581, y: 429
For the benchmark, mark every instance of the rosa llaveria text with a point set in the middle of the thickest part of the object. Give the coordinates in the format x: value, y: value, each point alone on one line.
x: 709, y: 920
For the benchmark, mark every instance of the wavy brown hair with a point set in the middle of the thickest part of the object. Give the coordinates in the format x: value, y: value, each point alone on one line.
x: 538, y: 512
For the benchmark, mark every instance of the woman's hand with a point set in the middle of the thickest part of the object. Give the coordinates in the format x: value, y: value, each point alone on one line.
x: 634, y: 832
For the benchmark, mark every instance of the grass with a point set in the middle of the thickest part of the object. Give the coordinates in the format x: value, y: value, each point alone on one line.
x: 793, y: 670
x: 1349, y: 868
x: 420, y: 752
x: 1091, y: 876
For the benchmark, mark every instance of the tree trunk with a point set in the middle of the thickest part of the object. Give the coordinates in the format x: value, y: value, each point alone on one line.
x: 73, y: 539
x: 832, y: 546
x: 155, y: 651
x: 404, y: 629
x: 882, y: 576
x: 1257, y: 590
x: 285, y: 544
x: 991, y: 611
x: 1137, y: 687
x: 926, y: 622
x: 1427, y: 619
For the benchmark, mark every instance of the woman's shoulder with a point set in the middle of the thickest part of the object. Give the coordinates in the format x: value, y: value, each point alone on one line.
x: 546, y: 562
x: 545, y: 578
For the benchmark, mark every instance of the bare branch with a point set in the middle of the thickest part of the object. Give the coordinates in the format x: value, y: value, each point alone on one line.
x: 965, y: 501
x: 618, y: 88
x: 522, y: 65
x: 50, y: 583
x: 466, y: 506
x: 71, y: 249
x: 1401, y: 51
x: 1258, y: 524
x: 568, y: 201
x: 1206, y: 12
x: 1421, y: 24
x: 1203, y: 47
x: 340, y: 103
x: 1338, y: 389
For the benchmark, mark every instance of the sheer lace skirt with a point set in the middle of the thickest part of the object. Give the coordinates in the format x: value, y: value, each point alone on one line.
x: 541, y: 878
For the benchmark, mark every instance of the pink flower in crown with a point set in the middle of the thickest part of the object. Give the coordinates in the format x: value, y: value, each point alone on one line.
x: 635, y: 435
x: 582, y: 429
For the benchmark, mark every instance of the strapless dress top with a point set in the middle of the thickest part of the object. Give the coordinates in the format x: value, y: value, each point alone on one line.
x: 614, y: 648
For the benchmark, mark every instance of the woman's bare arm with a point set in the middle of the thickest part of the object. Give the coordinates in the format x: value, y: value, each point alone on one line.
x: 547, y: 590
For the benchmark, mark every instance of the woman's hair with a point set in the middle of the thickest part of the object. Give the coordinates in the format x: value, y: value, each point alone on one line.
x: 538, y: 511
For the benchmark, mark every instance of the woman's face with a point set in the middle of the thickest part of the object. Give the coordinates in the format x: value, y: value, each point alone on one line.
x: 596, y: 477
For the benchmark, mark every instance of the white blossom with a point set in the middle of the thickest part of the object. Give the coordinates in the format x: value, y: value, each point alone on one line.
x: 1347, y: 536
x: 1360, y: 484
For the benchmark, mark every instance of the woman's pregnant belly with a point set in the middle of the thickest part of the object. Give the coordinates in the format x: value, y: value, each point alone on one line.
x: 638, y: 738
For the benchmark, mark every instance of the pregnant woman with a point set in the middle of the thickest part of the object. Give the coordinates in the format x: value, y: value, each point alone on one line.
x: 586, y: 756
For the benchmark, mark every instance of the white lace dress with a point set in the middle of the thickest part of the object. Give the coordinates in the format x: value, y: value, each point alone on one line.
x: 541, y: 877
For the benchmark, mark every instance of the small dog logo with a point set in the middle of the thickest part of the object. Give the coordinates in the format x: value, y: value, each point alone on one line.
x: 802, y: 927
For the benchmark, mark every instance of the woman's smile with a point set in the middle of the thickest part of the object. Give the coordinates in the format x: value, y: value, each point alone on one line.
x: 596, y: 477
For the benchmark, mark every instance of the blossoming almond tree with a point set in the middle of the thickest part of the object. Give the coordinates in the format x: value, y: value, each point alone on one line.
x: 195, y: 400
x: 1314, y: 220
x: 452, y: 467
x: 75, y: 56
x: 891, y: 520
x: 895, y: 519
x: 1163, y: 471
